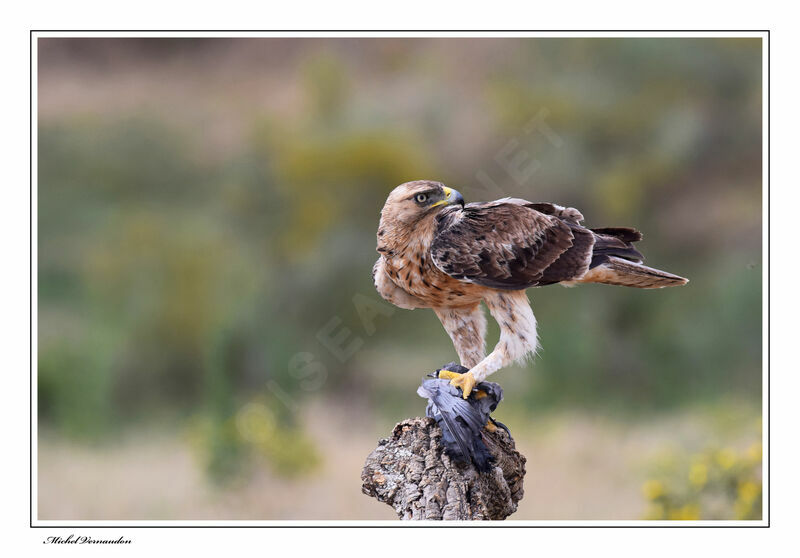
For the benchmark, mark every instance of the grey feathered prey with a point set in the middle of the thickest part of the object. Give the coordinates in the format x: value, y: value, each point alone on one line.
x: 438, y: 252
x: 462, y: 420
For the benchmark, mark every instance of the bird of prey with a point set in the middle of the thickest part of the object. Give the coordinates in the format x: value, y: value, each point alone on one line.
x: 438, y: 252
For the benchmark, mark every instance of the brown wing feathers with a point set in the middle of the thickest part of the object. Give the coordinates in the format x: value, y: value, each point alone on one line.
x: 615, y: 242
x: 514, y: 244
x: 574, y: 262
x: 569, y: 214
x: 508, y: 245
x: 625, y: 234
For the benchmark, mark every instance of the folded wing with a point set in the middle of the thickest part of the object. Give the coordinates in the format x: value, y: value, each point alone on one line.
x: 512, y: 244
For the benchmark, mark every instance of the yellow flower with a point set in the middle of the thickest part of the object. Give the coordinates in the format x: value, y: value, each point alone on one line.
x: 698, y: 475
x: 688, y: 512
x: 726, y: 458
x: 256, y: 424
x: 653, y: 489
x: 749, y: 491
x: 742, y: 509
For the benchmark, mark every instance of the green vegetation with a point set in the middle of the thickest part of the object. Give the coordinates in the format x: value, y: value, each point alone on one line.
x: 714, y: 484
x: 198, y: 231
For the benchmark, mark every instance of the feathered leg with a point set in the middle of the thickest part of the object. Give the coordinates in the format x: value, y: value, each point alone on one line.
x: 466, y: 326
x: 513, y: 313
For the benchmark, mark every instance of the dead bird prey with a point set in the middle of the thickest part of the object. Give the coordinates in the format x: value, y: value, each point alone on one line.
x: 436, y: 252
x: 462, y: 420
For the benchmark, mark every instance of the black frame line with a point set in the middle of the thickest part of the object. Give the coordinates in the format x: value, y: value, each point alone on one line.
x: 399, y: 524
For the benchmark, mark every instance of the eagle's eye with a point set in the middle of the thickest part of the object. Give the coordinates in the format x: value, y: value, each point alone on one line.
x: 421, y: 198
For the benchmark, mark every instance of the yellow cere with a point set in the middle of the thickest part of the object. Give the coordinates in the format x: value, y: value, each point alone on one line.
x: 448, y: 192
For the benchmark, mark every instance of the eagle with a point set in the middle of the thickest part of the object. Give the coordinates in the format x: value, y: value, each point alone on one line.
x: 438, y: 252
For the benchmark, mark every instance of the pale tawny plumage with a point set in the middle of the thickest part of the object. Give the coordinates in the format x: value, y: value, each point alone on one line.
x: 436, y: 252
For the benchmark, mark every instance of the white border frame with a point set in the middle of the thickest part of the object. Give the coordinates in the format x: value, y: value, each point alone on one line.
x: 34, y: 35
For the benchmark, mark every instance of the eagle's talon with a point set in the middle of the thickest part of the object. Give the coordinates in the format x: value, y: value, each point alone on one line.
x: 464, y: 381
x: 447, y: 374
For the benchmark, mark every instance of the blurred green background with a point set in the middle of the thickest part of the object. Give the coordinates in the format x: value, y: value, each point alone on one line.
x: 207, y: 212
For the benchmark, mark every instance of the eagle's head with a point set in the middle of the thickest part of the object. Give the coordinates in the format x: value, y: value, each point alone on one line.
x: 411, y: 202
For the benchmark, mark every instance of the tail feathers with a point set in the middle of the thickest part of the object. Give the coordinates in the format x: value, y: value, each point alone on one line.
x: 619, y: 271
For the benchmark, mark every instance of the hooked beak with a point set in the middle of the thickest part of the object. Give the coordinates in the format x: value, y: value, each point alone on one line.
x: 451, y: 197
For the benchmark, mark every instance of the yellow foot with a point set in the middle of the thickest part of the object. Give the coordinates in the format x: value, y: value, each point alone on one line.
x: 448, y: 375
x: 464, y: 381
x: 490, y: 427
